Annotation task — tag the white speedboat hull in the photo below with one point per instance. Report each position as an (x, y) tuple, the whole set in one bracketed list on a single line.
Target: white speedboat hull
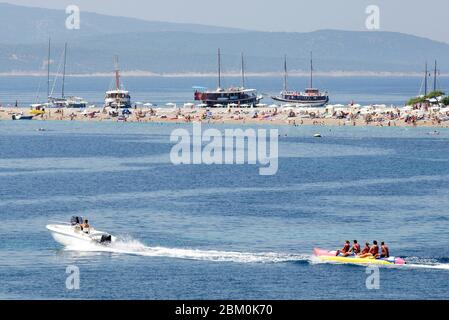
[(68, 235)]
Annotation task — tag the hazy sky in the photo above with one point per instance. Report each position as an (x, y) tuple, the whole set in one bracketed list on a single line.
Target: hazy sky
[(422, 18)]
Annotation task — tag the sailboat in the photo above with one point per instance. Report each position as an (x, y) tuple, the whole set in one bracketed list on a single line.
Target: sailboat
[(311, 97), (428, 95), (234, 96), (38, 108), (63, 101), (117, 98)]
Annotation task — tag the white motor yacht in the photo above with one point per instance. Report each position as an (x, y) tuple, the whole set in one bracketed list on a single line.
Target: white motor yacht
[(73, 233)]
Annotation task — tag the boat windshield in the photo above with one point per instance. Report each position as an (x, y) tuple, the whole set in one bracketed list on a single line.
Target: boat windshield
[(76, 220)]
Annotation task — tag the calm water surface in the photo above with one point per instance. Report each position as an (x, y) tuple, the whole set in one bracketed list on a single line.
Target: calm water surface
[(162, 90), (207, 232)]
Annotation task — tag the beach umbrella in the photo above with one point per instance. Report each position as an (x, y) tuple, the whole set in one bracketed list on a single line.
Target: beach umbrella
[(202, 105), (218, 105), (365, 109)]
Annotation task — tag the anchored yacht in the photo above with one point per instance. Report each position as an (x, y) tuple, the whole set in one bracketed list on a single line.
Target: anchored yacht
[(117, 98), (234, 96), (311, 97)]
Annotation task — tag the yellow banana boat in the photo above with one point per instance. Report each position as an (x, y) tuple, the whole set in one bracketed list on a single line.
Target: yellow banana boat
[(330, 256)]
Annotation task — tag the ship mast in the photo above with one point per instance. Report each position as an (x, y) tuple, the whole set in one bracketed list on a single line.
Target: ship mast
[(219, 68), (285, 73), (63, 72), (311, 70), (425, 82), (117, 73), (48, 68), (435, 77), (243, 71)]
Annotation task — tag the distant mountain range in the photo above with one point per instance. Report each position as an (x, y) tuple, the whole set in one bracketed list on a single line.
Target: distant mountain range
[(162, 47)]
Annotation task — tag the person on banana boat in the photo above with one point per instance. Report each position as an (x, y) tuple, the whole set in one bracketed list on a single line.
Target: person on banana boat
[(384, 251), (345, 250), (373, 251), (365, 249), (355, 248)]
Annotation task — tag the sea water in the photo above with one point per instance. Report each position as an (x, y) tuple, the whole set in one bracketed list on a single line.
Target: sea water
[(221, 231), (162, 90)]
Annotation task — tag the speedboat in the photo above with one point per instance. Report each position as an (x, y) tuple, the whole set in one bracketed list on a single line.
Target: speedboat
[(330, 256), (72, 233), (20, 116)]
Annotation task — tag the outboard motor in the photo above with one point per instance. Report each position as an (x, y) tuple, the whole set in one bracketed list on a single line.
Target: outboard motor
[(106, 238)]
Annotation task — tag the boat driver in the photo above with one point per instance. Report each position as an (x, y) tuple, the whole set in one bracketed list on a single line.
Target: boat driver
[(85, 226)]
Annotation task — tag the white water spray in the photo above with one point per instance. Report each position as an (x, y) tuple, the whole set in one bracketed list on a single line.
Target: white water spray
[(134, 247)]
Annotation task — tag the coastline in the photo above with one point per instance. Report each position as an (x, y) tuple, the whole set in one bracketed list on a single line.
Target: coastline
[(235, 116)]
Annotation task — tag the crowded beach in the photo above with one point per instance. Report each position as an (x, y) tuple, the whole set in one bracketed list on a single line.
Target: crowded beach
[(422, 114)]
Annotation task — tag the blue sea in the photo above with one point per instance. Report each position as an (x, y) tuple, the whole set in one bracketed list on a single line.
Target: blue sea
[(221, 231), (162, 90)]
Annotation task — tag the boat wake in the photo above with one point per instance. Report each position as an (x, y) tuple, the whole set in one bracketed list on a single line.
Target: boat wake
[(426, 263), (134, 247)]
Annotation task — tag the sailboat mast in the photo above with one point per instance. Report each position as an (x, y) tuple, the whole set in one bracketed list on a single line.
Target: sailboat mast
[(48, 68), (219, 68), (117, 73), (63, 72), (425, 81), (243, 71), (435, 77), (311, 70), (285, 73)]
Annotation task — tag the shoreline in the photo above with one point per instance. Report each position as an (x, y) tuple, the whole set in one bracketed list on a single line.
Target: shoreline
[(235, 116)]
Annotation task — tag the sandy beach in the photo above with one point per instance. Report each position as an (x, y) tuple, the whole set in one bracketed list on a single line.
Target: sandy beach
[(381, 116)]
